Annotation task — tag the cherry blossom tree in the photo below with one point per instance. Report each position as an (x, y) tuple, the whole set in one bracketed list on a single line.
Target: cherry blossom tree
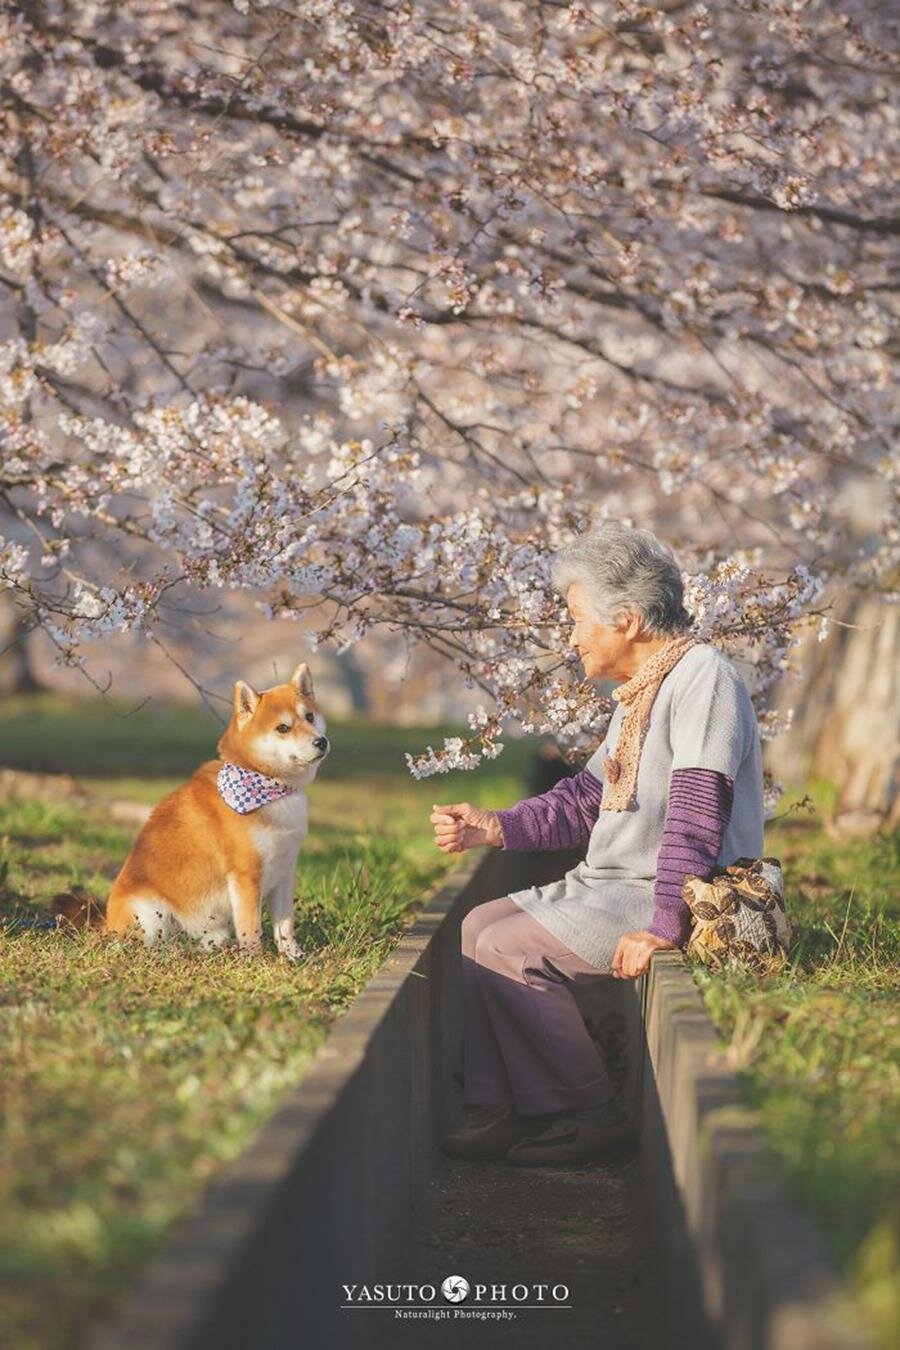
[(378, 304)]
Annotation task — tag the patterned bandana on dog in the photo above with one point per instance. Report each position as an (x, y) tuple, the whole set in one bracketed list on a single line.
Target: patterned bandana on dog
[(246, 790)]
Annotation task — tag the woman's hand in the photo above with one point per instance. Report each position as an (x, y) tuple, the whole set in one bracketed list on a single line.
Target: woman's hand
[(632, 954), (462, 826)]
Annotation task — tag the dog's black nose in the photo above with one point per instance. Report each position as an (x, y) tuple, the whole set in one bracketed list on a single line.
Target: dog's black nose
[(321, 742)]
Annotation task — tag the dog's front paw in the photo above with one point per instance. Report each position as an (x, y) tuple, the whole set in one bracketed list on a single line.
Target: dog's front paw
[(250, 949), (291, 951)]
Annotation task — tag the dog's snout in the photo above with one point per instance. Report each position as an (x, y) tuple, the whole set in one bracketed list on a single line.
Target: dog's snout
[(321, 742)]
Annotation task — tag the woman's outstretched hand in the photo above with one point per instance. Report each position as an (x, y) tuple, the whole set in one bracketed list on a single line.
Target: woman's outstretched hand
[(462, 826)]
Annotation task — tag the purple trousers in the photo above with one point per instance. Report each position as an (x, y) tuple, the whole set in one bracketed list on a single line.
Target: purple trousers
[(525, 1041)]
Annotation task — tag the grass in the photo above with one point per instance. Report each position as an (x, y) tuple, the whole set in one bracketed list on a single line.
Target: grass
[(129, 1076), (818, 1047)]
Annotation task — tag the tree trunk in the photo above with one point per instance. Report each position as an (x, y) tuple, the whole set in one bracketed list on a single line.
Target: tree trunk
[(16, 675), (355, 681), (847, 715)]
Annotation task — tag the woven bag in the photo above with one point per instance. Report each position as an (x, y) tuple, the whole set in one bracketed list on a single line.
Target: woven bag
[(739, 916)]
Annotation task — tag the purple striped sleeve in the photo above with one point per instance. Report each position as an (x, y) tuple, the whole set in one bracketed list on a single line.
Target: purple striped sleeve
[(697, 815), (560, 818)]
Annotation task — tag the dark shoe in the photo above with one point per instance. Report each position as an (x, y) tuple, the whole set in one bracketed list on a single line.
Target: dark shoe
[(489, 1143), (574, 1141)]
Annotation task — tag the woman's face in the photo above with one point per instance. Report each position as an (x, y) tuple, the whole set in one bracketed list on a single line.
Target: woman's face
[(605, 652)]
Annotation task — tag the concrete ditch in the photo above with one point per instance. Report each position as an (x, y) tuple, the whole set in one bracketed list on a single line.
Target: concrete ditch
[(693, 1244)]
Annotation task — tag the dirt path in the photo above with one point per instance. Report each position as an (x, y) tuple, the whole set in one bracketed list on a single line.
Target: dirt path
[(494, 1224)]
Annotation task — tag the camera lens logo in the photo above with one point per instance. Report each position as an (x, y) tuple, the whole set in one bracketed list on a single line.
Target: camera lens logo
[(455, 1288)]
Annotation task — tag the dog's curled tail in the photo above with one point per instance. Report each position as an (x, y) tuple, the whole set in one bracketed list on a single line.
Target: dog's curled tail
[(78, 908)]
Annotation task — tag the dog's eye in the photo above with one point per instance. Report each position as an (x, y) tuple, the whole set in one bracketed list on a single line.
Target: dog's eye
[(310, 717), (283, 726)]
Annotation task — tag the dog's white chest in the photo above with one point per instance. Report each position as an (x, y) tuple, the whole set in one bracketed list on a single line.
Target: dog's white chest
[(279, 830)]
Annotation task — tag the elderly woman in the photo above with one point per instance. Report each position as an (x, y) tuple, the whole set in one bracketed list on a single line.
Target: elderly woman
[(675, 790)]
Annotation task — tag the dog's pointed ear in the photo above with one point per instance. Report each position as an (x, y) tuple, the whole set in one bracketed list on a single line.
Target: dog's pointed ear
[(301, 679), (246, 700)]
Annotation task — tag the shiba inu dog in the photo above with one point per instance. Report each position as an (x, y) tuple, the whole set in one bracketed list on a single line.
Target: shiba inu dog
[(218, 847)]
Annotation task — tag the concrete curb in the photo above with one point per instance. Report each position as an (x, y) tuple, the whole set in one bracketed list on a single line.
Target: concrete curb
[(743, 1264)]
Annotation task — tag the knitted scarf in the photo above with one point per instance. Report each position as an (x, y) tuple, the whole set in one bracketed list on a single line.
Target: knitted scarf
[(638, 693)]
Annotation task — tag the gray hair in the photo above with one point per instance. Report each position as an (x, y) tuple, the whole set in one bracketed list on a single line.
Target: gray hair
[(624, 570)]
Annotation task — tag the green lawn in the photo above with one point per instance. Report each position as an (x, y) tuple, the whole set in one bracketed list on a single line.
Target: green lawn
[(128, 1075), (818, 1047)]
